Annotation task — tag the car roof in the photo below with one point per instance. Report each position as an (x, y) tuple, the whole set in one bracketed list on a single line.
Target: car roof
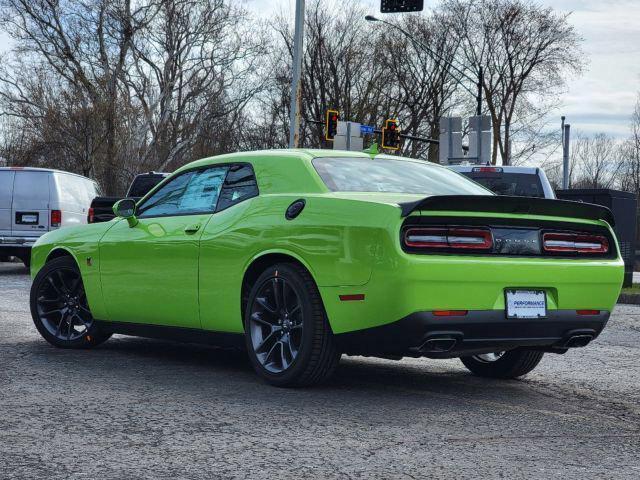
[(290, 170), (303, 154), (48, 170), (505, 169)]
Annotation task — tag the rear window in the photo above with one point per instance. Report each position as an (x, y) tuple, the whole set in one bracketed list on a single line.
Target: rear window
[(515, 184), (392, 176), (143, 185)]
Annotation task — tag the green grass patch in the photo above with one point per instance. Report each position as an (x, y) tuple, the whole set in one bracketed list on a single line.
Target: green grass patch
[(635, 289)]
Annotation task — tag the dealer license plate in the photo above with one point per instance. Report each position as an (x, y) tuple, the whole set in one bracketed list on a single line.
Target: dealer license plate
[(28, 218), (526, 303)]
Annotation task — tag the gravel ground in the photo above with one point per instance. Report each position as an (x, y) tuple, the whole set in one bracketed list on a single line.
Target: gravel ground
[(136, 408)]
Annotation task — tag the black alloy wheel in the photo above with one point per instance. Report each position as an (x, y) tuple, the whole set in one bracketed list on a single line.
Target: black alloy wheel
[(510, 364), (288, 337), (59, 306)]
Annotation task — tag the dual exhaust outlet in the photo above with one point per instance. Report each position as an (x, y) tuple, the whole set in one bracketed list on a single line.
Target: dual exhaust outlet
[(443, 343)]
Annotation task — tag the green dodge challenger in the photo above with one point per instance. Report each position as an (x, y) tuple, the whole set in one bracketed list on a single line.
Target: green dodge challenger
[(300, 256)]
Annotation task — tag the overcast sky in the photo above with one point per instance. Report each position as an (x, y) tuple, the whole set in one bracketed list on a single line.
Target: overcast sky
[(602, 100)]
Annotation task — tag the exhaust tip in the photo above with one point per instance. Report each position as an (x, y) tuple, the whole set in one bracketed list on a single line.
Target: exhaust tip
[(577, 341), (439, 345)]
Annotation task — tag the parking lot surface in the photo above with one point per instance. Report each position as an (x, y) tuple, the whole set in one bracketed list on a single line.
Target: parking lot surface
[(137, 408)]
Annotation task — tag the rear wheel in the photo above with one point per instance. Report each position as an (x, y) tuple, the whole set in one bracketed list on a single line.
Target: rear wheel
[(512, 364), (288, 337), (59, 306)]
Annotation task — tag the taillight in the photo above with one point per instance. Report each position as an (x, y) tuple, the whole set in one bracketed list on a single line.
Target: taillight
[(454, 238), (56, 218), (487, 169), (556, 242), (450, 313), (90, 216)]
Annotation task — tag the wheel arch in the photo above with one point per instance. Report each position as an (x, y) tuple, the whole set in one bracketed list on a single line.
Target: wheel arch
[(59, 252), (259, 263)]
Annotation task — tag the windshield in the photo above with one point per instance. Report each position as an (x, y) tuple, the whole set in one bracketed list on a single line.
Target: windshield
[(392, 176), (515, 184)]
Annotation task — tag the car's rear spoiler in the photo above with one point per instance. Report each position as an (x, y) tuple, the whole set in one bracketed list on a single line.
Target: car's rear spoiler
[(506, 204)]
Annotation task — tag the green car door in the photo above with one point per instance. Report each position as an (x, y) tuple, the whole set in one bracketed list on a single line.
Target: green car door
[(149, 272)]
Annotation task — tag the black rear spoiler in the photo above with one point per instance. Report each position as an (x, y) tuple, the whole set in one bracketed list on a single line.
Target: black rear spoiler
[(506, 204)]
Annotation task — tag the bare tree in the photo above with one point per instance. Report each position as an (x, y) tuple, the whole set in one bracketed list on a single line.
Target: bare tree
[(191, 74), (340, 69), (422, 86), (86, 44), (112, 87), (595, 162), (630, 153), (526, 51)]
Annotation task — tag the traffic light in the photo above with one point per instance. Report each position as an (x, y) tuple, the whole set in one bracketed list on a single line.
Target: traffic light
[(399, 6), (331, 124), (391, 135)]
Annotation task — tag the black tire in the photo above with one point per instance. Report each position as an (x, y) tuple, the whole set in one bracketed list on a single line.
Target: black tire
[(512, 364), (42, 291), (317, 357)]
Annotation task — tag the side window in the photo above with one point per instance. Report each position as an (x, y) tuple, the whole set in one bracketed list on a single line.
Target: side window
[(189, 193), (240, 185)]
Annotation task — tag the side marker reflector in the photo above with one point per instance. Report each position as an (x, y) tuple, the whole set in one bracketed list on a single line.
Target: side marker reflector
[(352, 298)]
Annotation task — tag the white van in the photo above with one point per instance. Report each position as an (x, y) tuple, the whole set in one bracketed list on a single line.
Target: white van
[(34, 201)]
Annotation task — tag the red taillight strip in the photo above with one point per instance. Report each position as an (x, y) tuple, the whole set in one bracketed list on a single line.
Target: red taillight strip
[(450, 313), (454, 238), (574, 243), (588, 312)]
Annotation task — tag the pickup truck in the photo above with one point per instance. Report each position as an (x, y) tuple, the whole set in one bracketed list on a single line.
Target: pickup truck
[(101, 209), (508, 180)]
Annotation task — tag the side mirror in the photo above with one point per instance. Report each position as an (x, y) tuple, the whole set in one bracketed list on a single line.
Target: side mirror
[(126, 208)]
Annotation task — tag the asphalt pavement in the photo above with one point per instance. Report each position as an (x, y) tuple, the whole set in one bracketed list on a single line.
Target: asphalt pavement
[(137, 409)]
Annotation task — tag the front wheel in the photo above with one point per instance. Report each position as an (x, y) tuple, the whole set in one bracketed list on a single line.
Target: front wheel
[(512, 364), (59, 306), (288, 337)]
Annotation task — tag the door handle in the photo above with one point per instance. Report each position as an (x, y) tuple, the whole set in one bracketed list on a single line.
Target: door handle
[(191, 229)]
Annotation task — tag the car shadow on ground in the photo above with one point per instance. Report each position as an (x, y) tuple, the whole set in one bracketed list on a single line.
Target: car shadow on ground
[(196, 367), (11, 268)]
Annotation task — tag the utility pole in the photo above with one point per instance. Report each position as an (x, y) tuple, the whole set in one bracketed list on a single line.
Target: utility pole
[(480, 83), (565, 154), (298, 38)]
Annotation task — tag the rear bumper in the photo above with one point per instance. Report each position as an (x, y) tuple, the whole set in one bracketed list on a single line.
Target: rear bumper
[(479, 331), (17, 242)]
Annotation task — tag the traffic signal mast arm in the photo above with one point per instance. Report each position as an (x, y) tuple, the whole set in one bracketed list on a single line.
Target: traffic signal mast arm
[(378, 131), (431, 52)]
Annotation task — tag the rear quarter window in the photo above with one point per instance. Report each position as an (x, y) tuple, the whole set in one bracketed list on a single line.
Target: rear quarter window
[(239, 185)]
